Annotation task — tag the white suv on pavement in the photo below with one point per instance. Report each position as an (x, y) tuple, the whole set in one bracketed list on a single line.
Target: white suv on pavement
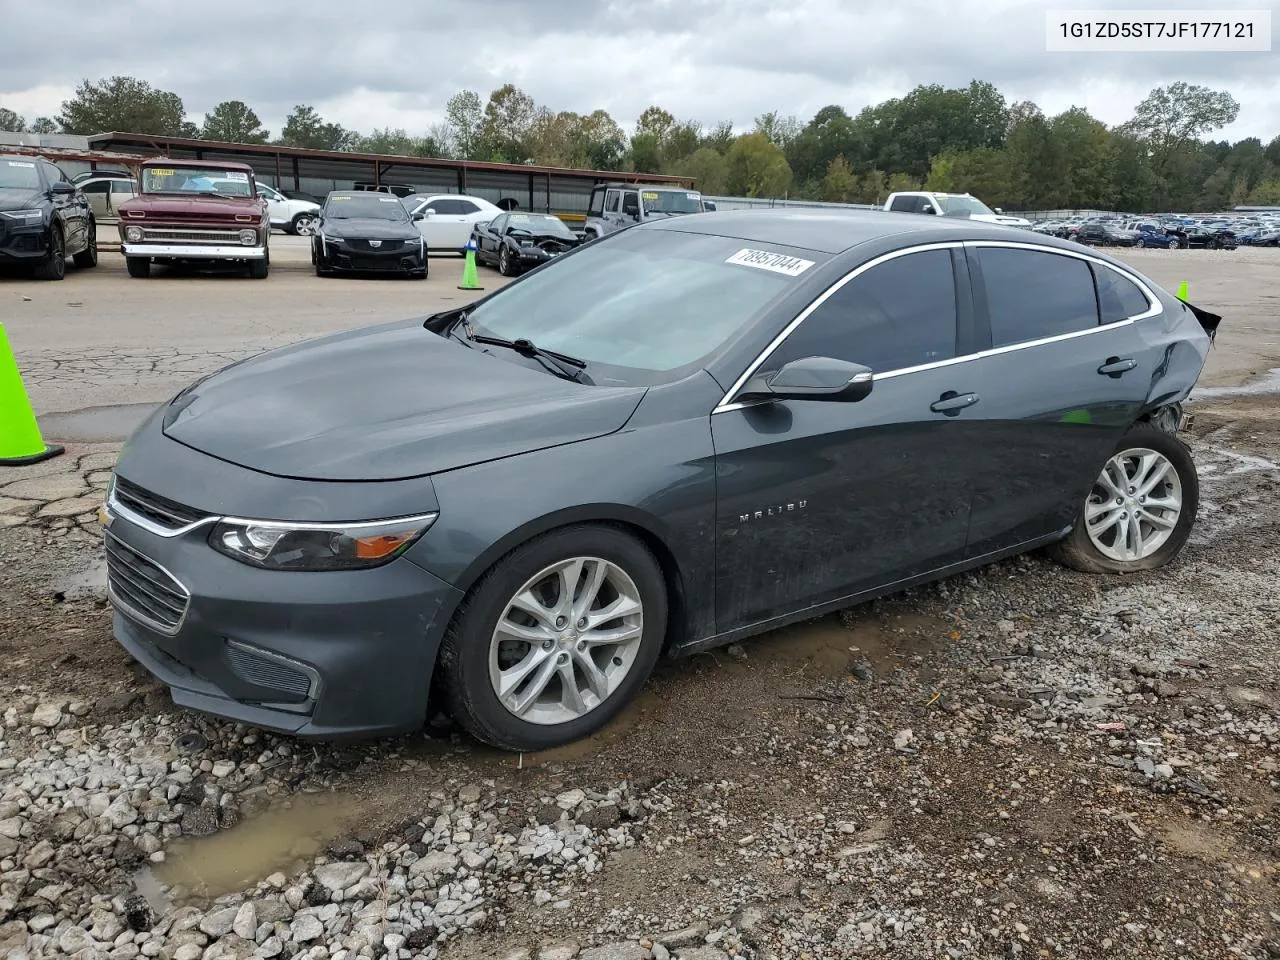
[(292, 216), (949, 205)]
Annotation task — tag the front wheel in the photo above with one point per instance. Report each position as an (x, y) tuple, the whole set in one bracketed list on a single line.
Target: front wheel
[(138, 266), (555, 639), (1140, 242), (1140, 511), (258, 269), (1173, 243), (54, 267)]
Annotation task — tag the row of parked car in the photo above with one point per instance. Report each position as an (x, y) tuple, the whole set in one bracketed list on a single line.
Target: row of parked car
[(1174, 233)]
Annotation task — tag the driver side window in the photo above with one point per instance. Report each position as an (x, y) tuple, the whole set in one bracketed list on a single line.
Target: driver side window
[(900, 313), (499, 224)]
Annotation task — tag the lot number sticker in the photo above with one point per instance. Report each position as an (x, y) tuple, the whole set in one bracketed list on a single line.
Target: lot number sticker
[(236, 175), (775, 262), (22, 163)]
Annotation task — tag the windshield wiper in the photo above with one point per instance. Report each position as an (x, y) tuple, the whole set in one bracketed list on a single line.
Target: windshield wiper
[(571, 368)]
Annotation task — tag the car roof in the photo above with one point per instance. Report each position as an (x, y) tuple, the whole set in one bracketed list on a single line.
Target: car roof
[(832, 231), (198, 164), (673, 188)]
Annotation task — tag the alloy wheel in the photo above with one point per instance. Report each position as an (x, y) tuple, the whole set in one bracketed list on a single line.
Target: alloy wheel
[(1134, 506), (566, 640), (304, 226)]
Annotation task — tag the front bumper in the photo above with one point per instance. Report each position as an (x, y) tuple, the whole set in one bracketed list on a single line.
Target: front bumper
[(321, 655), (22, 243), (411, 259), (194, 251)]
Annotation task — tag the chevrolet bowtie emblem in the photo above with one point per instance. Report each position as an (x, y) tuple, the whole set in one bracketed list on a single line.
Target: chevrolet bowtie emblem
[(375, 243)]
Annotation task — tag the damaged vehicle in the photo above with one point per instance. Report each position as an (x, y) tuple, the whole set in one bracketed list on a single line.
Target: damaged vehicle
[(694, 431), (515, 242)]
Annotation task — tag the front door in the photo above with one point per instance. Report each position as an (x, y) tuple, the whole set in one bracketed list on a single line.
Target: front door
[(819, 500), (1067, 375)]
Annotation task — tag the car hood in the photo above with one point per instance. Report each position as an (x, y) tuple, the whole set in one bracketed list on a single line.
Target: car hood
[(373, 227), (387, 403), (169, 205), (19, 198)]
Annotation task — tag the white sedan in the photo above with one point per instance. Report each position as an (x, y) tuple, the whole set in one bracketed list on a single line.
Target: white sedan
[(448, 218)]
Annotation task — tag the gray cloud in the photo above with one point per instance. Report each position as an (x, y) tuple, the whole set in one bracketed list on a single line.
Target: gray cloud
[(708, 60)]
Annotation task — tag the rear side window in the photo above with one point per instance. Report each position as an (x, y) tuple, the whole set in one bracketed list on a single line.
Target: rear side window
[(1118, 297), (466, 206), (611, 201), (597, 203), (899, 314), (1033, 295)]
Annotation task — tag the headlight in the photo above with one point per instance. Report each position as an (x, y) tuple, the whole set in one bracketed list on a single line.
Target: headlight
[(248, 237), (317, 546), (133, 234), (24, 214)]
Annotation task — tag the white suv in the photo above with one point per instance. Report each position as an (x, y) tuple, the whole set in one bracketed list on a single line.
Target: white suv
[(292, 216)]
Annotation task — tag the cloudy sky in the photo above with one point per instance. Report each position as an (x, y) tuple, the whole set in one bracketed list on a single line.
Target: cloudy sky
[(365, 65)]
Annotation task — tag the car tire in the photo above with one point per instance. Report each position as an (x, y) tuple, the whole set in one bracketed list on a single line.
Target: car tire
[(54, 266), (1173, 243), (258, 269), (1099, 550), (504, 263), (138, 267), (1212, 245), (302, 225), (88, 257), (1140, 242), (472, 652)]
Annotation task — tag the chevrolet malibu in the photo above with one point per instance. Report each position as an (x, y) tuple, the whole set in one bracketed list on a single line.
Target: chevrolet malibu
[(680, 435)]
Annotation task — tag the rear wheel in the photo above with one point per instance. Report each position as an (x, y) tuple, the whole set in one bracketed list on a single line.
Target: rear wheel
[(555, 639), (1173, 243), (1213, 244), (1140, 242), (88, 257), (303, 225), (54, 267), (138, 266), (1140, 511)]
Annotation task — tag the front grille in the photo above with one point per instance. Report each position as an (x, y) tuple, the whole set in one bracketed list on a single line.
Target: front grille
[(162, 235), (159, 510), (142, 589), (380, 263), (385, 246), (264, 670)]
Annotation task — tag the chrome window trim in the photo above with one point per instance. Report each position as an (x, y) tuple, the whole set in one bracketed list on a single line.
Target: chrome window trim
[(727, 405)]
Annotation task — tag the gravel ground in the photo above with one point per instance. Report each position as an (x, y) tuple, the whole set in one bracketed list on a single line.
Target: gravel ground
[(1022, 761)]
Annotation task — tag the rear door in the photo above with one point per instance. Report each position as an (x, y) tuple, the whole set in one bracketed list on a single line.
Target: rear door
[(1065, 373), (98, 193), (820, 500)]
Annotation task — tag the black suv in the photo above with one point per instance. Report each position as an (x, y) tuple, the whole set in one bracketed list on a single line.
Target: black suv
[(43, 218)]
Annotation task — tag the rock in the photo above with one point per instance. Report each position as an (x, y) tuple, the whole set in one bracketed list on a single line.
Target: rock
[(223, 768), (602, 817), (219, 922), (903, 739), (10, 507), (49, 714), (469, 794), (346, 849), (11, 828), (188, 951), (392, 942), (41, 854), (121, 812), (864, 671), (138, 914), (624, 950), (433, 864), (71, 507), (74, 939), (702, 953), (421, 938), (559, 951), (340, 876), (271, 947), (684, 937), (520, 953), (1146, 767), (749, 917), (199, 821), (570, 799), (115, 703), (8, 846), (306, 928), (245, 925), (660, 952), (735, 652)]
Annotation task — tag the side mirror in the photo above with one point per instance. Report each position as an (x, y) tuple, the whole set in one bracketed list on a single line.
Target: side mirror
[(813, 378), (927, 208), (429, 212), (62, 187), (419, 216), (999, 209)]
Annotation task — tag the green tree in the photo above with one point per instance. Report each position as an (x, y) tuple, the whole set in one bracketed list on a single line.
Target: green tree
[(235, 122), (831, 133), (839, 185), (720, 137), (464, 116), (1272, 152), (598, 142), (757, 168), (508, 119), (1266, 194), (123, 104), (11, 122), (708, 168), (982, 171), (393, 142), (779, 130), (1081, 145), (645, 153), (304, 127), (655, 121), (44, 125), (871, 188), (1173, 118), (899, 182)]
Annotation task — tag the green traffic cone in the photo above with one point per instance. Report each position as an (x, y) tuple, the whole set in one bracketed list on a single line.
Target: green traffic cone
[(20, 440), (469, 279), (1182, 291)]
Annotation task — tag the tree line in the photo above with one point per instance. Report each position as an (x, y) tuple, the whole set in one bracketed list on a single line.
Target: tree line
[(951, 139)]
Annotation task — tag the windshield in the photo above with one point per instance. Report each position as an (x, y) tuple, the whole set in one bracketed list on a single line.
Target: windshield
[(19, 175), (364, 206), (670, 201), (540, 224), (643, 303), (229, 183), (969, 205)]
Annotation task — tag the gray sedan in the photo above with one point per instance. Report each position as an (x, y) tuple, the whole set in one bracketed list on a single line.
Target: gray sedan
[(671, 438)]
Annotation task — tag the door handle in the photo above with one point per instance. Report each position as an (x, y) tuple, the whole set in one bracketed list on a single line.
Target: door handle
[(951, 403), (1115, 367)]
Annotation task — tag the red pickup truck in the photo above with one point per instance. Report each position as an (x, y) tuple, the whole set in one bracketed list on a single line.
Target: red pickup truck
[(195, 210)]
